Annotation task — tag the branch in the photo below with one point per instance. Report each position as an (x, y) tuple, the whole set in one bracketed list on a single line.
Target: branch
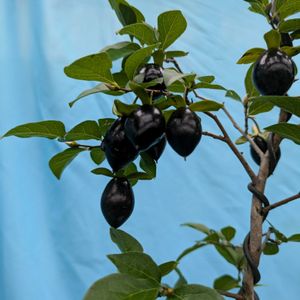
[(215, 136), (280, 203), (230, 295), (73, 144)]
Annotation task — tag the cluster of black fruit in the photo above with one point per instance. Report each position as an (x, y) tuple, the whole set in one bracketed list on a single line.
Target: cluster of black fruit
[(144, 130), (273, 75)]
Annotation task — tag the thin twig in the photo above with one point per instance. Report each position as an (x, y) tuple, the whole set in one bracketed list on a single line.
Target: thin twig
[(280, 203), (230, 295), (73, 144), (215, 136)]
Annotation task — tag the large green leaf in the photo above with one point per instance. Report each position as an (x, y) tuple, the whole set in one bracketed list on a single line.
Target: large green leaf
[(94, 67), (46, 129), (226, 283), (251, 56), (136, 59), (123, 109), (249, 86), (120, 50), (105, 124), (87, 130), (122, 287), (137, 264), (259, 105), (195, 292), (272, 39), (167, 267), (97, 155), (289, 131), (171, 25), (61, 160), (142, 31), (289, 25), (206, 105), (124, 241), (289, 8), (126, 13)]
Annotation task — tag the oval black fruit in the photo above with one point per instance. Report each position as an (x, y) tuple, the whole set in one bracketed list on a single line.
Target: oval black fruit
[(145, 126), (117, 202), (184, 131), (263, 146), (119, 151), (152, 72), (157, 149), (273, 73)]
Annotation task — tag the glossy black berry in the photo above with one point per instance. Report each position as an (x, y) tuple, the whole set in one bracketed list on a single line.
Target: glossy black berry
[(157, 150), (273, 73), (117, 202), (184, 131), (119, 151), (145, 126)]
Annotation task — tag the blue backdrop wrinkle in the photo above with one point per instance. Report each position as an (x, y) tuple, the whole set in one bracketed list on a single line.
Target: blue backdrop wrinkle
[(53, 238)]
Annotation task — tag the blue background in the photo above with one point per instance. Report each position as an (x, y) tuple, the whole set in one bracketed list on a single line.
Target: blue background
[(53, 238)]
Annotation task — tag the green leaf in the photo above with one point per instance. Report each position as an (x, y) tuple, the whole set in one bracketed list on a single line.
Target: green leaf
[(195, 292), (251, 56), (249, 86), (205, 105), (123, 109), (272, 39), (295, 35), (289, 131), (226, 283), (171, 25), (241, 140), (171, 76), (94, 67), (181, 280), (289, 8), (87, 130), (139, 176), (172, 54), (126, 13), (140, 92), (167, 267), (233, 95), (279, 236), (97, 155), (228, 232), (200, 227), (173, 100), (206, 85), (120, 50), (190, 250), (270, 249), (136, 264), (228, 253), (208, 79), (142, 31), (148, 164), (259, 105), (105, 124), (290, 104), (291, 51), (134, 61), (61, 160), (121, 79), (122, 286), (294, 238), (289, 25), (124, 241), (46, 129), (158, 57), (258, 8), (103, 171)]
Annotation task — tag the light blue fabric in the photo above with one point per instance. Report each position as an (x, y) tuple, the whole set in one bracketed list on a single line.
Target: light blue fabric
[(53, 238)]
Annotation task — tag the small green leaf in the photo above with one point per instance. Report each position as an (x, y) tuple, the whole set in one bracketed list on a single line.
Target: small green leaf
[(97, 155), (289, 8), (87, 130), (241, 140), (140, 92), (259, 105), (148, 164), (167, 267), (136, 264), (270, 249), (190, 250), (134, 61), (61, 160), (289, 131), (105, 124), (173, 100), (200, 227), (206, 85), (294, 238), (226, 283), (123, 109), (122, 286), (172, 54), (251, 56), (120, 50), (208, 79), (228, 232), (196, 292), (46, 129), (272, 39), (289, 25), (103, 171), (124, 241), (280, 236), (257, 8), (139, 176), (142, 31), (228, 253), (233, 95), (205, 105), (249, 86), (171, 76), (171, 25), (94, 67)]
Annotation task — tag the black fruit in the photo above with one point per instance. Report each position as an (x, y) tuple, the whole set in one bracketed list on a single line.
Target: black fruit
[(117, 202), (273, 73), (145, 126), (184, 131), (119, 151), (263, 146), (152, 72), (157, 150)]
